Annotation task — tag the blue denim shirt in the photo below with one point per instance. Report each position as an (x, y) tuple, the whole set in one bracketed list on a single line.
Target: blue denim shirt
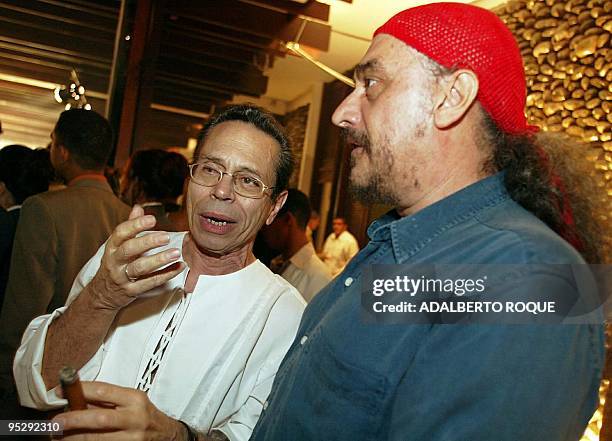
[(343, 379)]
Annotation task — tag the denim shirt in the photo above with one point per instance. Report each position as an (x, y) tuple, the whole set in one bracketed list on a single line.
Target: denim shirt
[(343, 379)]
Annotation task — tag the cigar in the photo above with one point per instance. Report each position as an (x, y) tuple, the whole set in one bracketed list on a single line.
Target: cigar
[(73, 391)]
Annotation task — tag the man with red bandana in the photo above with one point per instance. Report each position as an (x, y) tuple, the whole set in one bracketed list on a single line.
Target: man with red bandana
[(437, 129), (182, 332)]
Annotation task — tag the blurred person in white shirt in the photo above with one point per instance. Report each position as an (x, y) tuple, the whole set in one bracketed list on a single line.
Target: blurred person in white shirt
[(287, 235), (339, 247)]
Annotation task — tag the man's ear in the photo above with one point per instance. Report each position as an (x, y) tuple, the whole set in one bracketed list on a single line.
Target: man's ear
[(290, 219), (457, 94), (3, 190), (64, 153), (135, 191), (278, 204)]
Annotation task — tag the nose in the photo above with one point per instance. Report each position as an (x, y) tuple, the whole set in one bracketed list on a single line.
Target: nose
[(224, 189), (348, 113)]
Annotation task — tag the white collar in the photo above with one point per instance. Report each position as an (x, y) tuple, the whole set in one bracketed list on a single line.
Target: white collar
[(301, 258), (151, 204)]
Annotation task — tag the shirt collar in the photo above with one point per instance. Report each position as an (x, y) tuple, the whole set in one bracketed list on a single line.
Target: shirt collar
[(410, 234), (87, 176), (334, 237), (90, 180), (301, 258), (151, 204)]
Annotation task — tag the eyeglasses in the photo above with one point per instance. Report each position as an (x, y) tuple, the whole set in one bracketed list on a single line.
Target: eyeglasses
[(243, 183)]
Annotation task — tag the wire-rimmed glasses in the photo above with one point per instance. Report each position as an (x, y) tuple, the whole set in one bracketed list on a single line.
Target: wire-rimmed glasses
[(244, 183)]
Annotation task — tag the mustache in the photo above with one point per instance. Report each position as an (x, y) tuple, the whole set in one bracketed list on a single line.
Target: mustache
[(353, 136)]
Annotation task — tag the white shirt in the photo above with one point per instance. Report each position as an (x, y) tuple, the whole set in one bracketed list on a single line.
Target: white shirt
[(231, 334), (337, 251), (307, 272)]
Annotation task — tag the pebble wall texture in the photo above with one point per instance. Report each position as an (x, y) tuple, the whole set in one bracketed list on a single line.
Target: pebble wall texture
[(566, 48)]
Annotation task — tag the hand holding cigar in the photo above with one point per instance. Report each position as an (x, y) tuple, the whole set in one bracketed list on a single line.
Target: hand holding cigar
[(114, 412), (72, 389)]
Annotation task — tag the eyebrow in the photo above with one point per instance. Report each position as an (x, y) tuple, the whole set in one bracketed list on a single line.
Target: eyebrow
[(220, 162), (361, 68)]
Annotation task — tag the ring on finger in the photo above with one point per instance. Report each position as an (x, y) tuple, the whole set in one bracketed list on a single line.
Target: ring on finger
[(130, 278)]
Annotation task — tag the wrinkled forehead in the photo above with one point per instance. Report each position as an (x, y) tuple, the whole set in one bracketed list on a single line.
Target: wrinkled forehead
[(386, 54)]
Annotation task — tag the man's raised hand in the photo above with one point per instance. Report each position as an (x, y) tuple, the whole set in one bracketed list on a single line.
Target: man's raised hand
[(125, 270)]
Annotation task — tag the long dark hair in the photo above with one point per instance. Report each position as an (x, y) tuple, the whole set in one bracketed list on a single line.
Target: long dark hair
[(548, 174)]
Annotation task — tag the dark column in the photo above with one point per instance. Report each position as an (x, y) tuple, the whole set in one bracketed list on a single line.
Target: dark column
[(131, 99)]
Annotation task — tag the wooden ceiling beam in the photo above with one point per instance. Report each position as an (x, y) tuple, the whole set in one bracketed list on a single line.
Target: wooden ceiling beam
[(91, 80), (12, 49), (194, 105), (251, 19), (56, 37), (238, 82), (312, 9), (315, 35), (230, 14), (187, 83), (174, 84), (64, 66), (167, 90), (54, 23), (227, 37), (186, 55), (65, 14), (98, 7), (210, 44)]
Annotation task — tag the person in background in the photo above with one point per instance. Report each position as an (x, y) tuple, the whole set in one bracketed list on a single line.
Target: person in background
[(23, 173), (339, 247), (287, 235), (113, 177), (437, 129), (179, 217), (182, 332), (154, 179), (58, 231), (313, 224)]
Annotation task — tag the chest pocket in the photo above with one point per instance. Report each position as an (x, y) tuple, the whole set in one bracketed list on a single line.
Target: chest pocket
[(349, 398)]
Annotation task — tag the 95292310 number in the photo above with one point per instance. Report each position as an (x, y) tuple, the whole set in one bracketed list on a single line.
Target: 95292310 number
[(30, 427)]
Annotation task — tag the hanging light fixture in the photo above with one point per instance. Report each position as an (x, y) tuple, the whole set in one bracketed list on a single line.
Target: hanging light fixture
[(72, 95)]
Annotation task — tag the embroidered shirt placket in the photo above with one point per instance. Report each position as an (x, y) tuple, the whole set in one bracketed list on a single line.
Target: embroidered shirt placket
[(155, 359)]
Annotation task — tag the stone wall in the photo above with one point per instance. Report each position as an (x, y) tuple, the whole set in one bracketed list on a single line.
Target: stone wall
[(566, 51)]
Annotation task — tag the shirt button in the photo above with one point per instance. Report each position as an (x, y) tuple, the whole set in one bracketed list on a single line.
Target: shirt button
[(265, 405), (304, 340), (348, 281)]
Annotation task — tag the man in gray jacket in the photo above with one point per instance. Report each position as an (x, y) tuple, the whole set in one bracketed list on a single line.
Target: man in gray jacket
[(58, 231)]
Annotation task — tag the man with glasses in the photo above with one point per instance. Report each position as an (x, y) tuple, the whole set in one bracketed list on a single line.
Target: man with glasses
[(189, 328)]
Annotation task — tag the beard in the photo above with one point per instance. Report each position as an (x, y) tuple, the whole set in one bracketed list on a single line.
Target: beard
[(373, 186)]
